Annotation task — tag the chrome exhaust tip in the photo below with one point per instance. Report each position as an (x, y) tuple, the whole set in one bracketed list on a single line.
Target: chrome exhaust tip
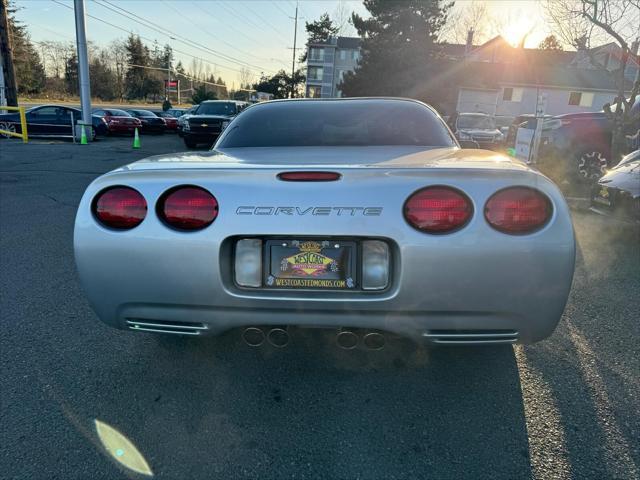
[(278, 337), (374, 341), (253, 336), (347, 339)]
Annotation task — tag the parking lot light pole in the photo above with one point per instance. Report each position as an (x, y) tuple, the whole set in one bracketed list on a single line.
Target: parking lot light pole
[(83, 63)]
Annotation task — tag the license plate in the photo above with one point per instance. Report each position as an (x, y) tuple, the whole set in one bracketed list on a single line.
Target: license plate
[(310, 264), (603, 197)]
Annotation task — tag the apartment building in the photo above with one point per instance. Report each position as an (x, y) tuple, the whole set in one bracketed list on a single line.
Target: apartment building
[(327, 62)]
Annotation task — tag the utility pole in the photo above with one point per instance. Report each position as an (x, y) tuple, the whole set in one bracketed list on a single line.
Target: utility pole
[(293, 63), (168, 76), (6, 57), (83, 62)]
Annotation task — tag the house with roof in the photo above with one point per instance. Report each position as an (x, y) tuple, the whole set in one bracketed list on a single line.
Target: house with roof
[(327, 63), (505, 81)]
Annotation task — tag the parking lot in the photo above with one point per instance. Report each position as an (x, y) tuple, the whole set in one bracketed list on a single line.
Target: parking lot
[(567, 407)]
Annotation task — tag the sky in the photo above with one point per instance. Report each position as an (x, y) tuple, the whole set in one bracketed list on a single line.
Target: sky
[(235, 35)]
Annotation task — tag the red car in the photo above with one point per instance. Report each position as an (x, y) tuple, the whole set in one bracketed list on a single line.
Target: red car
[(119, 121), (171, 121)]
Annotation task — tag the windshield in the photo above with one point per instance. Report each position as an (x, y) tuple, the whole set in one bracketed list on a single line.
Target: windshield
[(476, 121), (352, 123), (222, 108)]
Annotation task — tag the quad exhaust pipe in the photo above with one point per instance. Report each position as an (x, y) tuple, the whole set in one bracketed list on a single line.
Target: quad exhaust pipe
[(255, 337), (279, 337), (348, 340)]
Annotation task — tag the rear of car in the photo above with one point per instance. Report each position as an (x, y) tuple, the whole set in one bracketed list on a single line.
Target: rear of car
[(346, 214), (151, 123), (118, 121), (170, 120)]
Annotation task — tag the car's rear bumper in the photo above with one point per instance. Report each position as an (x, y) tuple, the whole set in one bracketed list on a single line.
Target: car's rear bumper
[(475, 279)]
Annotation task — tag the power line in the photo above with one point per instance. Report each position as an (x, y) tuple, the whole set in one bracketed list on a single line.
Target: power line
[(193, 24), (174, 36), (146, 38), (242, 16), (253, 40)]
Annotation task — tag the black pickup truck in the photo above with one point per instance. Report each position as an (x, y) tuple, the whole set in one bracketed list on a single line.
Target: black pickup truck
[(207, 122)]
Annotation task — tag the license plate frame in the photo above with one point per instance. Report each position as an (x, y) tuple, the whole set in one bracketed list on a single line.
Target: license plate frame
[(310, 264)]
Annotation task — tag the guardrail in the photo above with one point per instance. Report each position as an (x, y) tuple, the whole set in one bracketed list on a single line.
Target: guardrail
[(23, 125)]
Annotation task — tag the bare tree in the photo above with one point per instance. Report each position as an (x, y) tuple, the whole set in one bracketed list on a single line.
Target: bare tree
[(585, 22), (467, 16), (245, 77), (341, 17)]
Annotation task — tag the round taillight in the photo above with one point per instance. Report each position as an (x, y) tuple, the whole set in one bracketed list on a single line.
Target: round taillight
[(121, 208), (438, 210), (188, 208), (518, 210)]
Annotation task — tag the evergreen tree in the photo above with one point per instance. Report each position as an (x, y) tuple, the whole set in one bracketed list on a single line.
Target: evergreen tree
[(400, 51), (71, 74), (30, 73), (319, 31), (137, 77)]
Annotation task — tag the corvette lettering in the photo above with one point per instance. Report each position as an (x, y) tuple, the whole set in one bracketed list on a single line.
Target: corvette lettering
[(310, 211)]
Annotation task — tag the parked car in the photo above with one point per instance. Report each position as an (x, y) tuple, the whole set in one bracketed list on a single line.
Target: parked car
[(477, 127), (170, 120), (335, 214), (118, 121), (617, 194), (209, 120), (183, 118), (577, 146), (51, 121), (151, 123)]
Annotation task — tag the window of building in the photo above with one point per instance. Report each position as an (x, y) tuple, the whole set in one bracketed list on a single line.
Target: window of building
[(355, 55), (582, 99), (315, 73), (343, 54), (314, 92), (511, 94), (316, 54)]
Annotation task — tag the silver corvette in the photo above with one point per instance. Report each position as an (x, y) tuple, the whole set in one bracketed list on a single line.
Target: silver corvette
[(359, 215)]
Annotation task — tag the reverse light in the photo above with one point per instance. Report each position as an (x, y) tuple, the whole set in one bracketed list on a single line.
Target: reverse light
[(187, 208), (438, 210), (119, 207), (375, 265), (248, 262), (518, 210)]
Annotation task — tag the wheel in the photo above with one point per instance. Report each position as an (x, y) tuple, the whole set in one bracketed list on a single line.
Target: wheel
[(592, 165), (93, 134), (190, 143), (10, 127)]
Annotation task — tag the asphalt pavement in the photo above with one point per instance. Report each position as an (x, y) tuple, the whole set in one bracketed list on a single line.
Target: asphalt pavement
[(213, 408)]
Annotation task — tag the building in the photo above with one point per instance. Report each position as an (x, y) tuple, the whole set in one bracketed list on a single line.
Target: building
[(504, 81), (327, 62)]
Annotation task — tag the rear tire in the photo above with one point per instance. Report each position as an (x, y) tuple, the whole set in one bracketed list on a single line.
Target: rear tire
[(592, 165)]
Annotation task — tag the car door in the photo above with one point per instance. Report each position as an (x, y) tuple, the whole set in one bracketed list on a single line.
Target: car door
[(65, 120), (40, 121)]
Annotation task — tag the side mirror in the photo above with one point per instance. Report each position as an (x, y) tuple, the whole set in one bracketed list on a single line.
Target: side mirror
[(468, 144)]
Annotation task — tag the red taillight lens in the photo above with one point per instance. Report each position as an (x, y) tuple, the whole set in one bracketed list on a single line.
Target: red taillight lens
[(438, 210), (518, 210), (120, 207), (309, 176), (188, 208)]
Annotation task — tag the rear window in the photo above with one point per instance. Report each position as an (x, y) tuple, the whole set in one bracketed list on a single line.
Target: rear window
[(337, 123), (118, 113)]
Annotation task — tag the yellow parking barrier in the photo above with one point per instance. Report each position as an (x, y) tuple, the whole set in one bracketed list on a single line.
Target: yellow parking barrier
[(23, 124)]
